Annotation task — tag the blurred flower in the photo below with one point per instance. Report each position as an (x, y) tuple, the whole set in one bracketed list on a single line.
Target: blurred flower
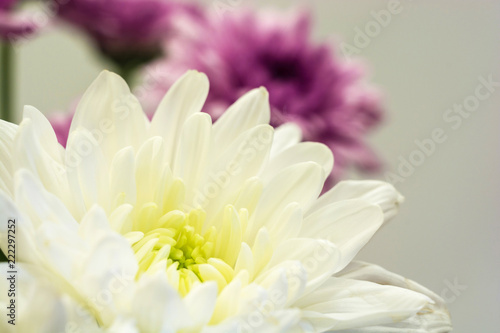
[(13, 25), (308, 83), (178, 225), (129, 32), (6, 5)]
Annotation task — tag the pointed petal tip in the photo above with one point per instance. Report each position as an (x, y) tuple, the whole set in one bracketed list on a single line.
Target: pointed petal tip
[(263, 90), (400, 199), (196, 74), (108, 77), (105, 74)]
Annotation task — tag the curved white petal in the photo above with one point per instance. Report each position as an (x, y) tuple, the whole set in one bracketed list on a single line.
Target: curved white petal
[(36, 149), (433, 318), (194, 150), (374, 191), (349, 224), (285, 136), (287, 225), (170, 313), (248, 111), (200, 303), (299, 153), (122, 188), (183, 99), (299, 183), (226, 175), (342, 303), (149, 168), (87, 170), (319, 258), (39, 306), (123, 326), (111, 114)]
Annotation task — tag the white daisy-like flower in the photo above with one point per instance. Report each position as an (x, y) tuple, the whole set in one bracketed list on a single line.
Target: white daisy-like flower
[(181, 225)]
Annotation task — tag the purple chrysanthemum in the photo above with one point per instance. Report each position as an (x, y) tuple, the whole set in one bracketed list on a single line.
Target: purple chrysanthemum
[(126, 30), (308, 83), (13, 26)]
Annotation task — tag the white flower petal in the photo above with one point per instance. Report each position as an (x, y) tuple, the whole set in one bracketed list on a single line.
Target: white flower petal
[(249, 195), (285, 283), (149, 168), (299, 183), (433, 318), (94, 225), (170, 313), (183, 99), (285, 136), (25, 231), (299, 153), (373, 191), (123, 326), (245, 261), (225, 177), (111, 114), (342, 304), (194, 149), (87, 169), (37, 150), (122, 187), (200, 303), (248, 111), (288, 225), (349, 224), (47, 225), (320, 259), (121, 219), (227, 302), (262, 250), (39, 204), (106, 276), (38, 306)]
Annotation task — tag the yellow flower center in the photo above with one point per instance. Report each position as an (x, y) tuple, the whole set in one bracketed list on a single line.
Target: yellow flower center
[(166, 237), (191, 242)]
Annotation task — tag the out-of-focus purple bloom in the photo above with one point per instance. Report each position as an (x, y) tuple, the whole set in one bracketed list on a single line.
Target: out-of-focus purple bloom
[(127, 30), (308, 83), (12, 25), (7, 4)]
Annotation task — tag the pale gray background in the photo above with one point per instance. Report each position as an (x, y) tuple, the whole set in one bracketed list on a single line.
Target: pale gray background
[(428, 58)]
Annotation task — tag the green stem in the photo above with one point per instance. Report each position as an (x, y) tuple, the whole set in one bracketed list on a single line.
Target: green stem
[(6, 81)]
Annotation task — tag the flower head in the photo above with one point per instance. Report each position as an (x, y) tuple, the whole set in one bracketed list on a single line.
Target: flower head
[(308, 83), (181, 225), (12, 25), (126, 30)]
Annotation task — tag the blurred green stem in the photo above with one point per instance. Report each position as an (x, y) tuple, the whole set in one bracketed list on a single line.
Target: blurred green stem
[(6, 81), (5, 92)]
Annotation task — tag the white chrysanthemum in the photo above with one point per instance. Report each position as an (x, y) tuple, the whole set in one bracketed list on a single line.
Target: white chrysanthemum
[(179, 225)]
